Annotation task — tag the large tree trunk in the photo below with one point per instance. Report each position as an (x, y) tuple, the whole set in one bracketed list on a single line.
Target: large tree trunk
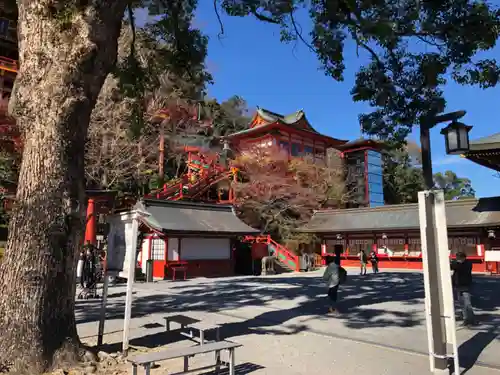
[(66, 50)]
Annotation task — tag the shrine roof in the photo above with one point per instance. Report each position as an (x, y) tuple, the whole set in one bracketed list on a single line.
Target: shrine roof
[(362, 143), (189, 218), (490, 142), (265, 121), (485, 151), (460, 213), (289, 119)]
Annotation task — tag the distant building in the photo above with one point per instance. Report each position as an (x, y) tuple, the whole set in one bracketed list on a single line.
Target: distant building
[(297, 137), (394, 232)]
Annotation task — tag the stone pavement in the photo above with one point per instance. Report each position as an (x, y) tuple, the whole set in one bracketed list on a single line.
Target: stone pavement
[(281, 322)]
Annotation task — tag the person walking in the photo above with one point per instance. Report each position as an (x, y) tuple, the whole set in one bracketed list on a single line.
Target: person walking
[(374, 261), (334, 276), (462, 283), (363, 259), (79, 269)]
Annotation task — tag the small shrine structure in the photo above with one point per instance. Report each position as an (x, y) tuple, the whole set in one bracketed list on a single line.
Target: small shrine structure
[(197, 235)]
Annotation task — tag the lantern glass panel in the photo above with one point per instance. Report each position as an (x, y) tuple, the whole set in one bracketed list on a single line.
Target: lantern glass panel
[(452, 137), (464, 138)]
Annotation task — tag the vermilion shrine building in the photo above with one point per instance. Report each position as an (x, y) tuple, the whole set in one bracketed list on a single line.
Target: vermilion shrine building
[(394, 232), (196, 235), (295, 135)]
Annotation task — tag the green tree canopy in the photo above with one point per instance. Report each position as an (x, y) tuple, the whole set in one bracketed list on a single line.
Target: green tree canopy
[(454, 187), (414, 47), (403, 179)]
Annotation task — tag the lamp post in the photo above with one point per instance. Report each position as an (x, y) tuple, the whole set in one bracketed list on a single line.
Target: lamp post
[(449, 132), (456, 140)]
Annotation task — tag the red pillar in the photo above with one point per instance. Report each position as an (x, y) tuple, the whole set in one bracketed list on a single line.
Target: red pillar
[(91, 228)]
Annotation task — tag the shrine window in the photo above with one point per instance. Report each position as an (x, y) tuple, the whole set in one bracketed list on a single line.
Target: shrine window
[(308, 150), (467, 245), (296, 149), (284, 145), (158, 249)]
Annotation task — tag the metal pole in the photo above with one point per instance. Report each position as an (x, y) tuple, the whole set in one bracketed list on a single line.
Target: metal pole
[(439, 355)]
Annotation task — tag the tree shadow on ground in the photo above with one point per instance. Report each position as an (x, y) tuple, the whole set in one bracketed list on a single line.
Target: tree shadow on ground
[(369, 301), (241, 369), (290, 297), (357, 296)]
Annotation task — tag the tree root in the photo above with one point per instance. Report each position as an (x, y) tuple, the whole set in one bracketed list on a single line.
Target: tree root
[(70, 355)]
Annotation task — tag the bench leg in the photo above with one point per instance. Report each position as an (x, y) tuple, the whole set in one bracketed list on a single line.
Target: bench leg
[(202, 337), (217, 361), (134, 369), (147, 367), (231, 362), (167, 325), (186, 364), (217, 334)]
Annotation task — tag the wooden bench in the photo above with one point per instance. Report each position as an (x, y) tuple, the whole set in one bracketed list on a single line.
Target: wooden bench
[(147, 359), (182, 320), (178, 267), (201, 328)]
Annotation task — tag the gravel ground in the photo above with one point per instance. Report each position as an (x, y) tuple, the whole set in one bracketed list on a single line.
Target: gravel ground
[(280, 320)]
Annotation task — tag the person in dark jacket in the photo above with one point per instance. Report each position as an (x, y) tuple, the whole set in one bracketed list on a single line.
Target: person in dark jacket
[(462, 283), (334, 276), (89, 267), (363, 260), (374, 261)]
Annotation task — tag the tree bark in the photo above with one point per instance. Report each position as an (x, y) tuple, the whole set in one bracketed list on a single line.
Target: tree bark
[(66, 50)]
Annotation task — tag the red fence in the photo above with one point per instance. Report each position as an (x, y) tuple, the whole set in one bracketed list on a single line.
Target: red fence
[(408, 262)]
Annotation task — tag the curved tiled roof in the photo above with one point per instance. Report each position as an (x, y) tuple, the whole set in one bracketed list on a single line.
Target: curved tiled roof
[(486, 143), (185, 218), (291, 119), (460, 213)]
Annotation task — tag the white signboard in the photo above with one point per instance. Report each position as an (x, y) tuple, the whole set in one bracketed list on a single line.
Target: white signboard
[(492, 256), (121, 243)]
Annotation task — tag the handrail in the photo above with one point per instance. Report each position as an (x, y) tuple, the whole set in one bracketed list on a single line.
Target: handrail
[(287, 253), (176, 186), (8, 64), (217, 178)]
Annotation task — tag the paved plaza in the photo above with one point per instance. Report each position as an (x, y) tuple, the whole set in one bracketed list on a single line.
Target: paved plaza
[(282, 324)]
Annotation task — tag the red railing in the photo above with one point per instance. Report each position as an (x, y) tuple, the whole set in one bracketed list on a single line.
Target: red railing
[(181, 188), (407, 261), (284, 255), (8, 64)]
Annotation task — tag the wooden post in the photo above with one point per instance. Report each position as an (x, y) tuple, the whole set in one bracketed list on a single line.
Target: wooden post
[(161, 156), (91, 228), (130, 283), (102, 317), (289, 145)]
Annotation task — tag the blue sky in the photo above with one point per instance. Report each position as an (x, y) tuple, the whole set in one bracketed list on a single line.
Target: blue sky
[(249, 60)]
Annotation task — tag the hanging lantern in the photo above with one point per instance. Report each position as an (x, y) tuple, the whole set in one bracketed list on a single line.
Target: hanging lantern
[(456, 136)]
